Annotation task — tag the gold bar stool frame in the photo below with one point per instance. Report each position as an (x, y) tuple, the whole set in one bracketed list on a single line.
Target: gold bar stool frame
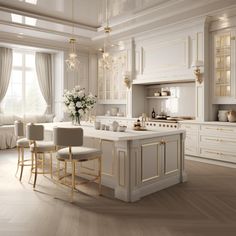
[(21, 144), (38, 147), (74, 152)]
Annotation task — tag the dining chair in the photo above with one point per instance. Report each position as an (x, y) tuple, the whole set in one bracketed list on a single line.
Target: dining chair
[(21, 144), (74, 152), (38, 148)]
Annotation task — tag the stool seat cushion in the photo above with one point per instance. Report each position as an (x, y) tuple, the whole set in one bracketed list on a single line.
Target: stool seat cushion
[(43, 146), (23, 142), (79, 153)]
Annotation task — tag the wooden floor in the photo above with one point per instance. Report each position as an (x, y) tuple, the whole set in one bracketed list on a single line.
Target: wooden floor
[(205, 205)]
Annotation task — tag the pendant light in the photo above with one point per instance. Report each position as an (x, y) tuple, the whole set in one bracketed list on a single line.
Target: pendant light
[(106, 57), (72, 61)]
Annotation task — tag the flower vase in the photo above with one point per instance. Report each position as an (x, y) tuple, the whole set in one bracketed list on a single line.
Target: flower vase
[(76, 120)]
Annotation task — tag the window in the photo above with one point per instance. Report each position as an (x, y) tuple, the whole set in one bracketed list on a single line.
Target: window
[(23, 95)]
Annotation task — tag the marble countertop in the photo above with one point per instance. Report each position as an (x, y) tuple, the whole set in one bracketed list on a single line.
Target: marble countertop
[(90, 131)]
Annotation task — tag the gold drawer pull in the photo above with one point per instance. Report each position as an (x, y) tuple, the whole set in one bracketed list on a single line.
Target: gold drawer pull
[(210, 152), (212, 139), (217, 153), (220, 129), (212, 128)]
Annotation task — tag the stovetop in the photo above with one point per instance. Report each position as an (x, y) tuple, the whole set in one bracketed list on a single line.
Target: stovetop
[(170, 119), (163, 120)]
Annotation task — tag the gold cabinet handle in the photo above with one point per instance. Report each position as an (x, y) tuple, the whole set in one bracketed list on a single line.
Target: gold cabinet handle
[(163, 142), (212, 139)]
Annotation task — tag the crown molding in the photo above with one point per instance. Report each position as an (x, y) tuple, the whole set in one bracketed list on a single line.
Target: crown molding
[(44, 17), (39, 29), (28, 41)]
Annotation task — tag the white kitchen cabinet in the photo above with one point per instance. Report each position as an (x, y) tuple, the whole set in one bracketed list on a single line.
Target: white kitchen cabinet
[(224, 81), (191, 141), (218, 142), (211, 140), (157, 160), (111, 88)]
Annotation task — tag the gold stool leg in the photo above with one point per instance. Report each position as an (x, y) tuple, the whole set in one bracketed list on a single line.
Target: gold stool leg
[(32, 166), (65, 170), (58, 169), (22, 162), (72, 180), (36, 169), (18, 162), (100, 175), (51, 165), (43, 162)]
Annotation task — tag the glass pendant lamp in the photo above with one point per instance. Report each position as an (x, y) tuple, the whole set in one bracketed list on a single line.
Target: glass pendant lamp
[(72, 61)]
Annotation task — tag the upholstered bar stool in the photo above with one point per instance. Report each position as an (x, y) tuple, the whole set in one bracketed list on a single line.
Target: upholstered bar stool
[(21, 144), (74, 152), (38, 148)]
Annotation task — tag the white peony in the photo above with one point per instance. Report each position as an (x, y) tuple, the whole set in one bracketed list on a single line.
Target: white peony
[(78, 104), (81, 112)]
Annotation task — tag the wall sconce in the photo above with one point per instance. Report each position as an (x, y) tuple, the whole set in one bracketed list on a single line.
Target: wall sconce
[(126, 79), (197, 64)]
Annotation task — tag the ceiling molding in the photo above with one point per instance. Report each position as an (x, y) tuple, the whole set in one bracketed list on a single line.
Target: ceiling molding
[(41, 16), (39, 29), (152, 20), (11, 38)]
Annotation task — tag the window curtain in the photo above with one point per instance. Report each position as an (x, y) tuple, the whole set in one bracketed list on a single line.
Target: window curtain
[(43, 64), (5, 71)]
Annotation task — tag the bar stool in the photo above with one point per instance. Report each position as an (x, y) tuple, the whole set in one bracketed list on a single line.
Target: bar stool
[(72, 140), (35, 133), (21, 144)]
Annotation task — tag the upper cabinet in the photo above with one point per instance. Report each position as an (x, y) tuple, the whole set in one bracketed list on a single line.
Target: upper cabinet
[(224, 83), (111, 88)]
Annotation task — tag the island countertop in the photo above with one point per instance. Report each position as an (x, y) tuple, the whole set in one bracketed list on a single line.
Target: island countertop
[(90, 131)]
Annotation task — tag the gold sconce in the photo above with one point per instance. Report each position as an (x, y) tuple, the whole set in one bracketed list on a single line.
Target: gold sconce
[(196, 65), (126, 79)]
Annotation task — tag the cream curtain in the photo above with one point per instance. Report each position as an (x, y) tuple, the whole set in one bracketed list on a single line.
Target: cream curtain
[(5, 71), (43, 63)]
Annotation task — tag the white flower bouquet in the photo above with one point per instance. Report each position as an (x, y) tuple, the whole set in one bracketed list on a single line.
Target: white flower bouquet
[(78, 103)]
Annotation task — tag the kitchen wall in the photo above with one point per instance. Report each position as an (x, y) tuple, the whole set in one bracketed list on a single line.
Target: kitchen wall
[(180, 103)]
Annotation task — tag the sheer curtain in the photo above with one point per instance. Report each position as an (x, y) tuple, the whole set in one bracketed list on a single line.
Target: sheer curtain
[(43, 64), (5, 71)]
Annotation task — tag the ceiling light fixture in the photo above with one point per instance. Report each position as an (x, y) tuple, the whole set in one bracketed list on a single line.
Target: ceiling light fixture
[(72, 61), (106, 57)]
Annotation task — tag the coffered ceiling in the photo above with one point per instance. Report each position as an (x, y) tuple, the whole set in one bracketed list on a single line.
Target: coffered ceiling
[(52, 19)]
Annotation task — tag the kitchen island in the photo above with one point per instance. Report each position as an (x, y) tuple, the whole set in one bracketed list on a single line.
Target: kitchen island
[(134, 163)]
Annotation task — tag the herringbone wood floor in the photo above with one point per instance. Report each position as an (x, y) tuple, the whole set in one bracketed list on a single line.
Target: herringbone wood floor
[(205, 205)]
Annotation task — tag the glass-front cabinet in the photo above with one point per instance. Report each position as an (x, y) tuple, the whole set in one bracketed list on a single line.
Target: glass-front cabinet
[(224, 67), (111, 87)]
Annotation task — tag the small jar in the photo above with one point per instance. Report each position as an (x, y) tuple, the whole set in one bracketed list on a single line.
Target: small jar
[(223, 115)]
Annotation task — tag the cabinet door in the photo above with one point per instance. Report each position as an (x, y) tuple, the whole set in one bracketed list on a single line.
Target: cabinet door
[(150, 161), (171, 155), (111, 88), (191, 141), (224, 67)]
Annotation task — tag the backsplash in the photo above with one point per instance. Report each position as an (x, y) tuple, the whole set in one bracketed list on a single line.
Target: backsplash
[(180, 103), (227, 107)]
